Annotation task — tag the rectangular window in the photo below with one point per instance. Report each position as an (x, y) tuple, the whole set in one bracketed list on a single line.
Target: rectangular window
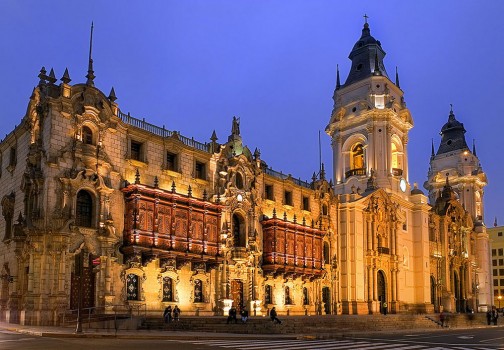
[(136, 150), (501, 282), (13, 157), (494, 262), (501, 251), (499, 234), (268, 192), (306, 203), (501, 262), (288, 198), (501, 272), (200, 170), (171, 161), (495, 272), (496, 282), (494, 252), (132, 287)]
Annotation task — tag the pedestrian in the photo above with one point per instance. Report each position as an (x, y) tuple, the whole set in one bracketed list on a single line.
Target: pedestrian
[(489, 317), (176, 313), (273, 316), (244, 315), (167, 315), (495, 316), (385, 306), (232, 315), (442, 318)]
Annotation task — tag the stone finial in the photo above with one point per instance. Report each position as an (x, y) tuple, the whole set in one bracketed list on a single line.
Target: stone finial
[(66, 77), (274, 213), (52, 77), (156, 182), (189, 191), (173, 187), (112, 95), (42, 75)]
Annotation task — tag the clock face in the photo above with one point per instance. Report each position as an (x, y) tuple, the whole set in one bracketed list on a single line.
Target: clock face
[(402, 185)]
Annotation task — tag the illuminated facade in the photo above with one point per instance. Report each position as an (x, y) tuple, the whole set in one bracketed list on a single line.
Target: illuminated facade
[(496, 234), (144, 217)]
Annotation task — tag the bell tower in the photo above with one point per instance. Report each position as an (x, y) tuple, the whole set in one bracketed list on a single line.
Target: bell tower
[(456, 163), (369, 124)]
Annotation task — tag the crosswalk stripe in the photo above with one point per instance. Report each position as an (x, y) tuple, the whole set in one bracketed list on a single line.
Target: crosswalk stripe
[(298, 345)]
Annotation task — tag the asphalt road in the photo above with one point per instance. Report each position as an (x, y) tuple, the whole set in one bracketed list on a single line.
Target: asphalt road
[(476, 339)]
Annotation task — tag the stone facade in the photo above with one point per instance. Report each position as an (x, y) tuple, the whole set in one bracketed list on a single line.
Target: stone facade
[(106, 211)]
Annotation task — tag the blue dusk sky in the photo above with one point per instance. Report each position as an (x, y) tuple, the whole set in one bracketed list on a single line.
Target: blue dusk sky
[(192, 65)]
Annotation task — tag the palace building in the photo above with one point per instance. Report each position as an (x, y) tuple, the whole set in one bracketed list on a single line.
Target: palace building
[(102, 210)]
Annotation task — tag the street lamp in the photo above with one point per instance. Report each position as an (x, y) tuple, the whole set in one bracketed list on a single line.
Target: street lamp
[(500, 298)]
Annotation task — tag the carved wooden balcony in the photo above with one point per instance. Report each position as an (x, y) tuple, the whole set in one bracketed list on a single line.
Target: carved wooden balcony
[(355, 172)]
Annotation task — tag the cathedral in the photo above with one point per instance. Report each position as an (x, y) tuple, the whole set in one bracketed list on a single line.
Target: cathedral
[(101, 210)]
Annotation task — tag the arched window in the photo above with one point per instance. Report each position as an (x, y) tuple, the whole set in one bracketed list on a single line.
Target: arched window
[(397, 160), (87, 135), (84, 209), (167, 289), (267, 294), (132, 287), (239, 181), (198, 291), (238, 231), (324, 209), (306, 299), (326, 253), (288, 300), (357, 157)]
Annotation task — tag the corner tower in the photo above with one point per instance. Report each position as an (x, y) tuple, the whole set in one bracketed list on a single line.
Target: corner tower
[(369, 123)]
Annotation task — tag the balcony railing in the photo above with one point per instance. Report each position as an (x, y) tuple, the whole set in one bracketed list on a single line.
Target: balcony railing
[(354, 172), (283, 176), (156, 130)]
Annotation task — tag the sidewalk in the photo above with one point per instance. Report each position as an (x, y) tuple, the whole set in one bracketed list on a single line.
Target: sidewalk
[(65, 332)]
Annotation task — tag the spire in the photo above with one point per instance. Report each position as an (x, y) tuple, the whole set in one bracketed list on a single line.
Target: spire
[(432, 148), (66, 77), (213, 138), (322, 172), (338, 84), (112, 96), (42, 75), (451, 117), (495, 222), (474, 148), (397, 78), (90, 75)]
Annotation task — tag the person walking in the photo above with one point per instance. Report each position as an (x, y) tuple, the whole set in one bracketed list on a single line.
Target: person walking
[(495, 316), (442, 318), (176, 313), (385, 306), (273, 316), (167, 315)]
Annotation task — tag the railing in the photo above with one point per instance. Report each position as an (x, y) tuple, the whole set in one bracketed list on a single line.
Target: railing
[(163, 132), (92, 314), (353, 172), (283, 176)]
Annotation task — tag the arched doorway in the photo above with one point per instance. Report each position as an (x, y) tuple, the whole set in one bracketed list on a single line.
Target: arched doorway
[(326, 298), (85, 289), (237, 293), (382, 290)]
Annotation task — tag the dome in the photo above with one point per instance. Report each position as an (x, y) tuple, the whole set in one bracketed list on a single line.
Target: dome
[(452, 136)]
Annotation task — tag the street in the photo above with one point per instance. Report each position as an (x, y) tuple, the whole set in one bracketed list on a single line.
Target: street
[(476, 339)]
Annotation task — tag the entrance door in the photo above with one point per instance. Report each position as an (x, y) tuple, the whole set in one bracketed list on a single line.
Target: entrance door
[(326, 298), (456, 290), (237, 293), (88, 286), (382, 290)]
